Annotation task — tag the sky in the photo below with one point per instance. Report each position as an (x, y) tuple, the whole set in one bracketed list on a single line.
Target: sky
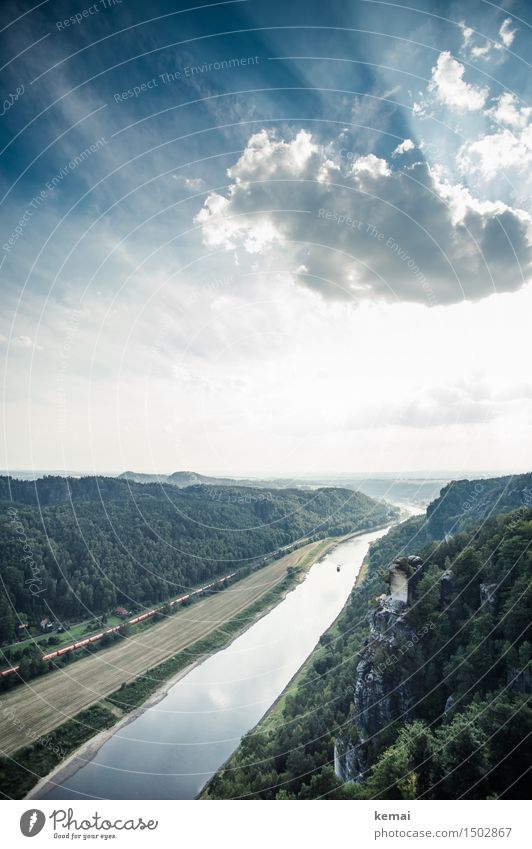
[(266, 238)]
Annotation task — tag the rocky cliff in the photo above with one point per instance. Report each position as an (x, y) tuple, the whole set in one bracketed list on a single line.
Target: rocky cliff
[(378, 700)]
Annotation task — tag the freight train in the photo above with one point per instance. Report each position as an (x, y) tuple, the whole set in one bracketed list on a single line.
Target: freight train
[(140, 618)]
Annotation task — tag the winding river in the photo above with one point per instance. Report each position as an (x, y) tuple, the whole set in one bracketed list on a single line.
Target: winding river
[(174, 746)]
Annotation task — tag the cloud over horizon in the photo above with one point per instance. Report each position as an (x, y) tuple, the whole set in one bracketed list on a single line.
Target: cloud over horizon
[(365, 230)]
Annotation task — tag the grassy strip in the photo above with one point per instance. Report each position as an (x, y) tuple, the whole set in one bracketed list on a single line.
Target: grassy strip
[(30, 763), (21, 772)]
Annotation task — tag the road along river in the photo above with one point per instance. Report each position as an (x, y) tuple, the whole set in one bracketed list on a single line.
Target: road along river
[(174, 747)]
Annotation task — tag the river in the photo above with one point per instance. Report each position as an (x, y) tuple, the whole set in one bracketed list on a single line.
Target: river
[(173, 747)]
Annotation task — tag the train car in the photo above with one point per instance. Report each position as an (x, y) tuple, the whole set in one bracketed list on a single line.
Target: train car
[(50, 656), (141, 617), (64, 650), (95, 637)]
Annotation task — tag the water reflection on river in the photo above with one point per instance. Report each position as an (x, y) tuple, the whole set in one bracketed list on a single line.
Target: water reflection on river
[(172, 749)]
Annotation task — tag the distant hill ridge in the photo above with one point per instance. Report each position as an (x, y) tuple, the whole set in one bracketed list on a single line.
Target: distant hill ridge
[(395, 489), (188, 478)]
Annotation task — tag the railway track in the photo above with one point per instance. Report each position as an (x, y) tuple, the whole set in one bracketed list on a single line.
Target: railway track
[(133, 621)]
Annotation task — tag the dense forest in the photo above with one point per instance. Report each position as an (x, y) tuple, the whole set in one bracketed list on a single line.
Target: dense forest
[(75, 548), (428, 702), (465, 503)]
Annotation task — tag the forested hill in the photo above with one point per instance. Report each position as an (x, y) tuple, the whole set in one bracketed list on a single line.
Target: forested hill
[(464, 503), (86, 545)]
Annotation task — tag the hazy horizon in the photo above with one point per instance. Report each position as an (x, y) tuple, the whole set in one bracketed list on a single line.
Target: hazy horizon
[(310, 475)]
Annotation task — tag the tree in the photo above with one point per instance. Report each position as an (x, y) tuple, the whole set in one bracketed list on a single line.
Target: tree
[(7, 621), (463, 757)]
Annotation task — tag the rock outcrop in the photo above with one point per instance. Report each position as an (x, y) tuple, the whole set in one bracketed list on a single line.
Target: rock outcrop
[(378, 700), (519, 680), (404, 575), (489, 596)]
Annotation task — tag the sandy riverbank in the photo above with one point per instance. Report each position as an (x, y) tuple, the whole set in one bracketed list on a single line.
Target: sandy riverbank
[(85, 753)]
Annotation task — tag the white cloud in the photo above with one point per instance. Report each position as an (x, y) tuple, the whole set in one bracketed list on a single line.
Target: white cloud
[(20, 341), (496, 152), (509, 149), (476, 50), (507, 111), (265, 158), (461, 201), (368, 233), (370, 164), (506, 34), (194, 184), (467, 32), (222, 229), (404, 147), (271, 156), (450, 88)]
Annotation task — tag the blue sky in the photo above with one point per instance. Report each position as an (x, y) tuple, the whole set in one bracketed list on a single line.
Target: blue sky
[(266, 237)]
